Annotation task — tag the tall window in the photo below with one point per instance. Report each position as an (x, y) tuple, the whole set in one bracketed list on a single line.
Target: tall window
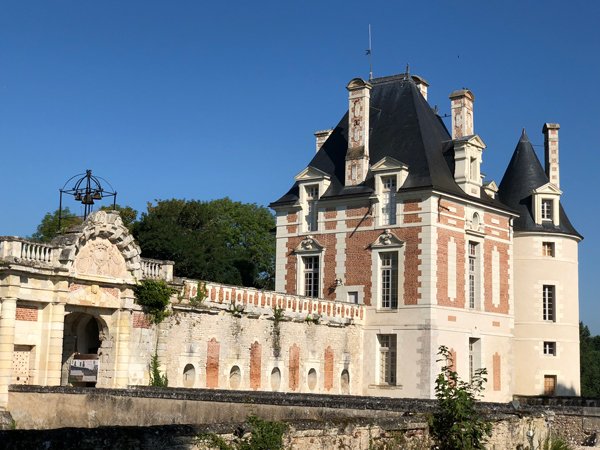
[(474, 356), (389, 279), (388, 206), (546, 209), (312, 195), (548, 303), (473, 273), (311, 276), (387, 358)]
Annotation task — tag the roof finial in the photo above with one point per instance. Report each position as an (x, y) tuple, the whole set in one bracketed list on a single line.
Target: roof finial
[(369, 52)]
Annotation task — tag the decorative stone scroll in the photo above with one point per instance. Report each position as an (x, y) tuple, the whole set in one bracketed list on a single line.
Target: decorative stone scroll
[(387, 239), (309, 244), (101, 246)]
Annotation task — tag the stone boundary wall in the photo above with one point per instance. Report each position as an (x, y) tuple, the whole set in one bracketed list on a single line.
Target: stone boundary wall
[(323, 416)]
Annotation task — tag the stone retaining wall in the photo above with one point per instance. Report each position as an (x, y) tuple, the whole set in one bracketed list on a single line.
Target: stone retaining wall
[(316, 421)]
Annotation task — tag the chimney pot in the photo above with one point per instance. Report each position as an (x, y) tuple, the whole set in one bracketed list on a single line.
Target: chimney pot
[(322, 136), (357, 155), (462, 113), (550, 131)]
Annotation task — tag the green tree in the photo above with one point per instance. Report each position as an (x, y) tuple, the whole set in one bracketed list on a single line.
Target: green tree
[(589, 351), (48, 228), (220, 240), (457, 425)]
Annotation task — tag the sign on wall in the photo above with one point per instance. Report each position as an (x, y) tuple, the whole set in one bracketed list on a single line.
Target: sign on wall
[(84, 369)]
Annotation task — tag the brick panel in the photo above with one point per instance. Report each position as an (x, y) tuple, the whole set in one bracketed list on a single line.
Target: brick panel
[(504, 276), (212, 364), (294, 368), (443, 238), (328, 369), (357, 212), (497, 370), (27, 313), (140, 320), (255, 366), (453, 365)]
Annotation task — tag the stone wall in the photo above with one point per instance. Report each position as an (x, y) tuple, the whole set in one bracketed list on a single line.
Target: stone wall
[(316, 421)]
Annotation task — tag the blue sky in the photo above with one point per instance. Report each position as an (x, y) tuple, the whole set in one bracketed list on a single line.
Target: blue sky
[(202, 100)]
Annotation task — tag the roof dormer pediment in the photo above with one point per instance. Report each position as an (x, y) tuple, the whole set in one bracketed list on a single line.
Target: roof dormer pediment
[(388, 163), (548, 188), (311, 173), (472, 139)]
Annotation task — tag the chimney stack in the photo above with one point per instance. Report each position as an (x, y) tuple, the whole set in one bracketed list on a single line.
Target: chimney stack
[(322, 136), (550, 131), (422, 84), (462, 113), (357, 156)]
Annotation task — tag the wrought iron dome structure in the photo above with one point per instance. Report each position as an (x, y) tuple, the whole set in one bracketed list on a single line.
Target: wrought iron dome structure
[(86, 189)]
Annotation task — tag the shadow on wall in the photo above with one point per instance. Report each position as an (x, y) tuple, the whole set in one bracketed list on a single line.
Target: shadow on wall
[(564, 390)]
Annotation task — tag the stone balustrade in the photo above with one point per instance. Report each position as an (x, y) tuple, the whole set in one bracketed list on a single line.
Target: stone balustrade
[(246, 300), (19, 250), (15, 249), (157, 269)]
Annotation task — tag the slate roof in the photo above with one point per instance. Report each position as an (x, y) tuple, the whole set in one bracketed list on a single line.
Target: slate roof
[(524, 174), (402, 126)]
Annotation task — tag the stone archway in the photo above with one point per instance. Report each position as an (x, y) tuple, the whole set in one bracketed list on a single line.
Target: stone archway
[(83, 338)]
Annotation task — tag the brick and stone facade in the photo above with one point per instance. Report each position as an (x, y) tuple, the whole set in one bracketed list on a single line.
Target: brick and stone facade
[(388, 246)]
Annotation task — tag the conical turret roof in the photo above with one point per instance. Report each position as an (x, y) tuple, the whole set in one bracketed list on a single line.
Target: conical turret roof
[(523, 175)]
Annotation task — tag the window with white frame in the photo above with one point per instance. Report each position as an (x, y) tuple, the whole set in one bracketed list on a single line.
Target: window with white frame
[(548, 249), (547, 210), (550, 348), (389, 279), (353, 297), (548, 303), (473, 273), (388, 200), (387, 358), (312, 195), (474, 356), (311, 275)]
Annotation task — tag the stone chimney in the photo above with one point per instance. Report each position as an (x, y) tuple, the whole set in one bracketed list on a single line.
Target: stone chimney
[(322, 136), (550, 131), (422, 85), (357, 156), (462, 113)]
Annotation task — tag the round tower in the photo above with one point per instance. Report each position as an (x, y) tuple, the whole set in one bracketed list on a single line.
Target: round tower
[(545, 273)]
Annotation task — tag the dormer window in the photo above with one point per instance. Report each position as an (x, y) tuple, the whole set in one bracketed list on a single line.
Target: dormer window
[(389, 175), (388, 204), (546, 204), (546, 209), (312, 183)]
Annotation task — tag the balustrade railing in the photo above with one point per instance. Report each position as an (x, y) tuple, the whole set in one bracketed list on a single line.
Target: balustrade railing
[(31, 251)]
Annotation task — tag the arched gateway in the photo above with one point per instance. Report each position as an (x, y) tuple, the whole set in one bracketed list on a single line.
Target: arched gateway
[(68, 309)]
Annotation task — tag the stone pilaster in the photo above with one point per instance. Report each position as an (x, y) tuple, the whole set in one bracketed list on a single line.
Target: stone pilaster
[(55, 344), (121, 350), (7, 346)]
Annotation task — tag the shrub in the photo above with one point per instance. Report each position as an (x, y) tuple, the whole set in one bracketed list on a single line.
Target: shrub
[(154, 297), (457, 425)]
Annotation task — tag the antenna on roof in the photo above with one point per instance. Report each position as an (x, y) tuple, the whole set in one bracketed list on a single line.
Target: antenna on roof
[(407, 71), (369, 54)]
